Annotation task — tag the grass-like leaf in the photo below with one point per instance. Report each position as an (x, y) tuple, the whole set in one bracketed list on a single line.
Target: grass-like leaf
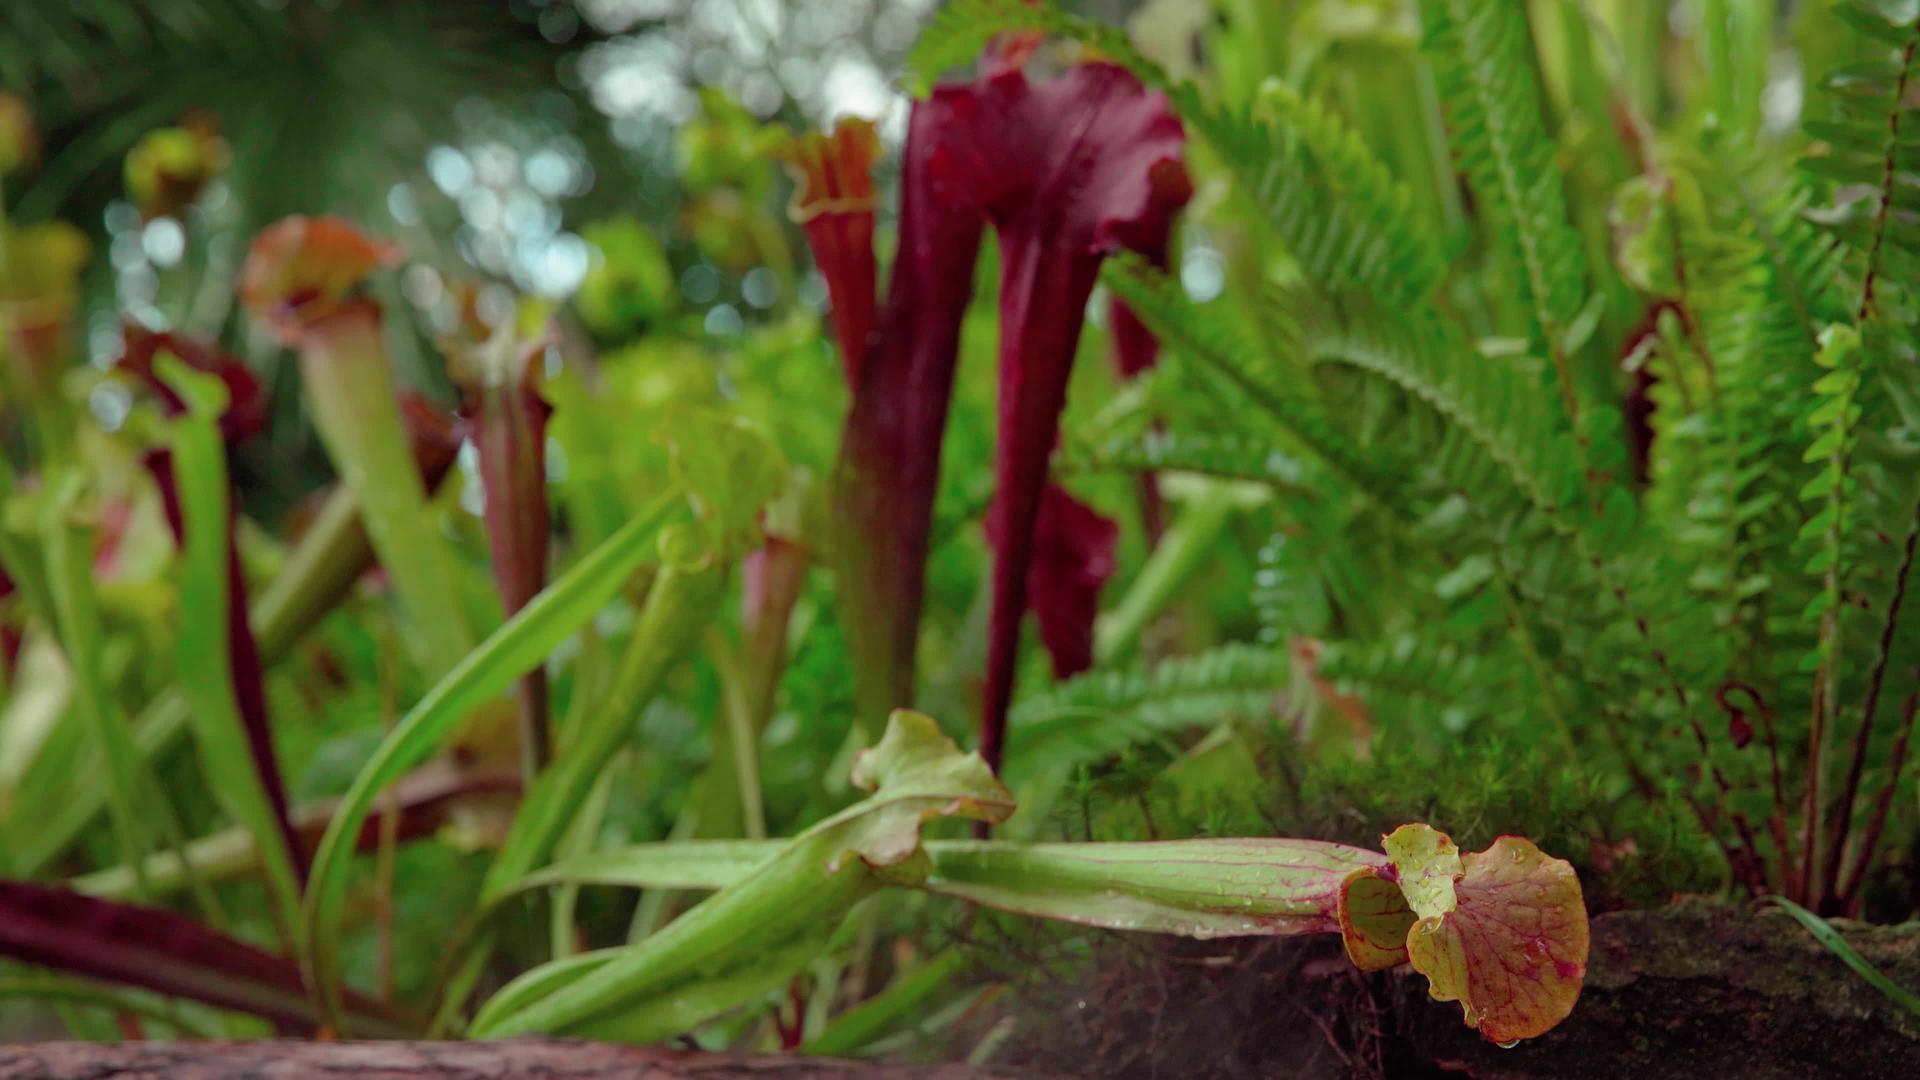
[(69, 562), (524, 641), (1825, 934)]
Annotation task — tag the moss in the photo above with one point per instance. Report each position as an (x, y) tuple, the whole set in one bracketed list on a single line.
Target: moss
[(1628, 851)]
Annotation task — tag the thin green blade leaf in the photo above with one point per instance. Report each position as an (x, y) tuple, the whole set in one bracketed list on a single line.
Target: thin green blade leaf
[(1825, 934), (522, 642), (70, 587)]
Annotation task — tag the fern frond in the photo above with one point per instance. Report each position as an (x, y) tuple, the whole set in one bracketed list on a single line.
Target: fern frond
[(1860, 419), (1345, 219), (1834, 425), (1869, 143), (1410, 671), (1491, 401), (1615, 569), (1232, 457), (1483, 59), (1215, 348), (1289, 592), (1769, 281), (1097, 714)]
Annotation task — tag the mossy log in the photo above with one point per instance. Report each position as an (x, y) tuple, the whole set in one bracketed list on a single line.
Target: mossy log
[(1697, 990), (1685, 992)]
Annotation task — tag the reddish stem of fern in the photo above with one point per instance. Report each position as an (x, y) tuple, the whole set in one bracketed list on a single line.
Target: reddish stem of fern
[(1896, 762), (1777, 819), (1842, 817)]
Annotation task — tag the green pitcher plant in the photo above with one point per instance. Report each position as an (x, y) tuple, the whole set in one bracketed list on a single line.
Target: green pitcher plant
[(1503, 931)]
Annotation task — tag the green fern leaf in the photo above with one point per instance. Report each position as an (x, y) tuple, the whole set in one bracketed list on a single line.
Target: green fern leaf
[(1343, 216), (1866, 142), (1232, 457), (1097, 714), (1212, 345), (1489, 400), (1483, 57)]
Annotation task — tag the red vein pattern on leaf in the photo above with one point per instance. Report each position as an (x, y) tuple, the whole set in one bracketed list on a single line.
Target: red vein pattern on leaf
[(1068, 171), (1514, 952)]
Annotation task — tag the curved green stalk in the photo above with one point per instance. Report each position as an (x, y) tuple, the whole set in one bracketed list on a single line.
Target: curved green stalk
[(53, 988), (1184, 547)]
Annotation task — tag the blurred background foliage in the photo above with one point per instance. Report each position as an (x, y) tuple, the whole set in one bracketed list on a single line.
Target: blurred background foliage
[(518, 141)]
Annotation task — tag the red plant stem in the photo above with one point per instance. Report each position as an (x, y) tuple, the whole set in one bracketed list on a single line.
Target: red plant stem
[(1745, 869), (249, 692), (243, 664), (1723, 788), (1643, 783), (889, 465), (1896, 762), (1135, 352), (771, 580), (10, 636), (1810, 816), (1777, 818), (1043, 292), (1841, 820), (148, 947), (509, 432), (843, 245)]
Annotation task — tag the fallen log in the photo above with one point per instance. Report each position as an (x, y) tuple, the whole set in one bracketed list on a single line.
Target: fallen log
[(550, 1059)]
